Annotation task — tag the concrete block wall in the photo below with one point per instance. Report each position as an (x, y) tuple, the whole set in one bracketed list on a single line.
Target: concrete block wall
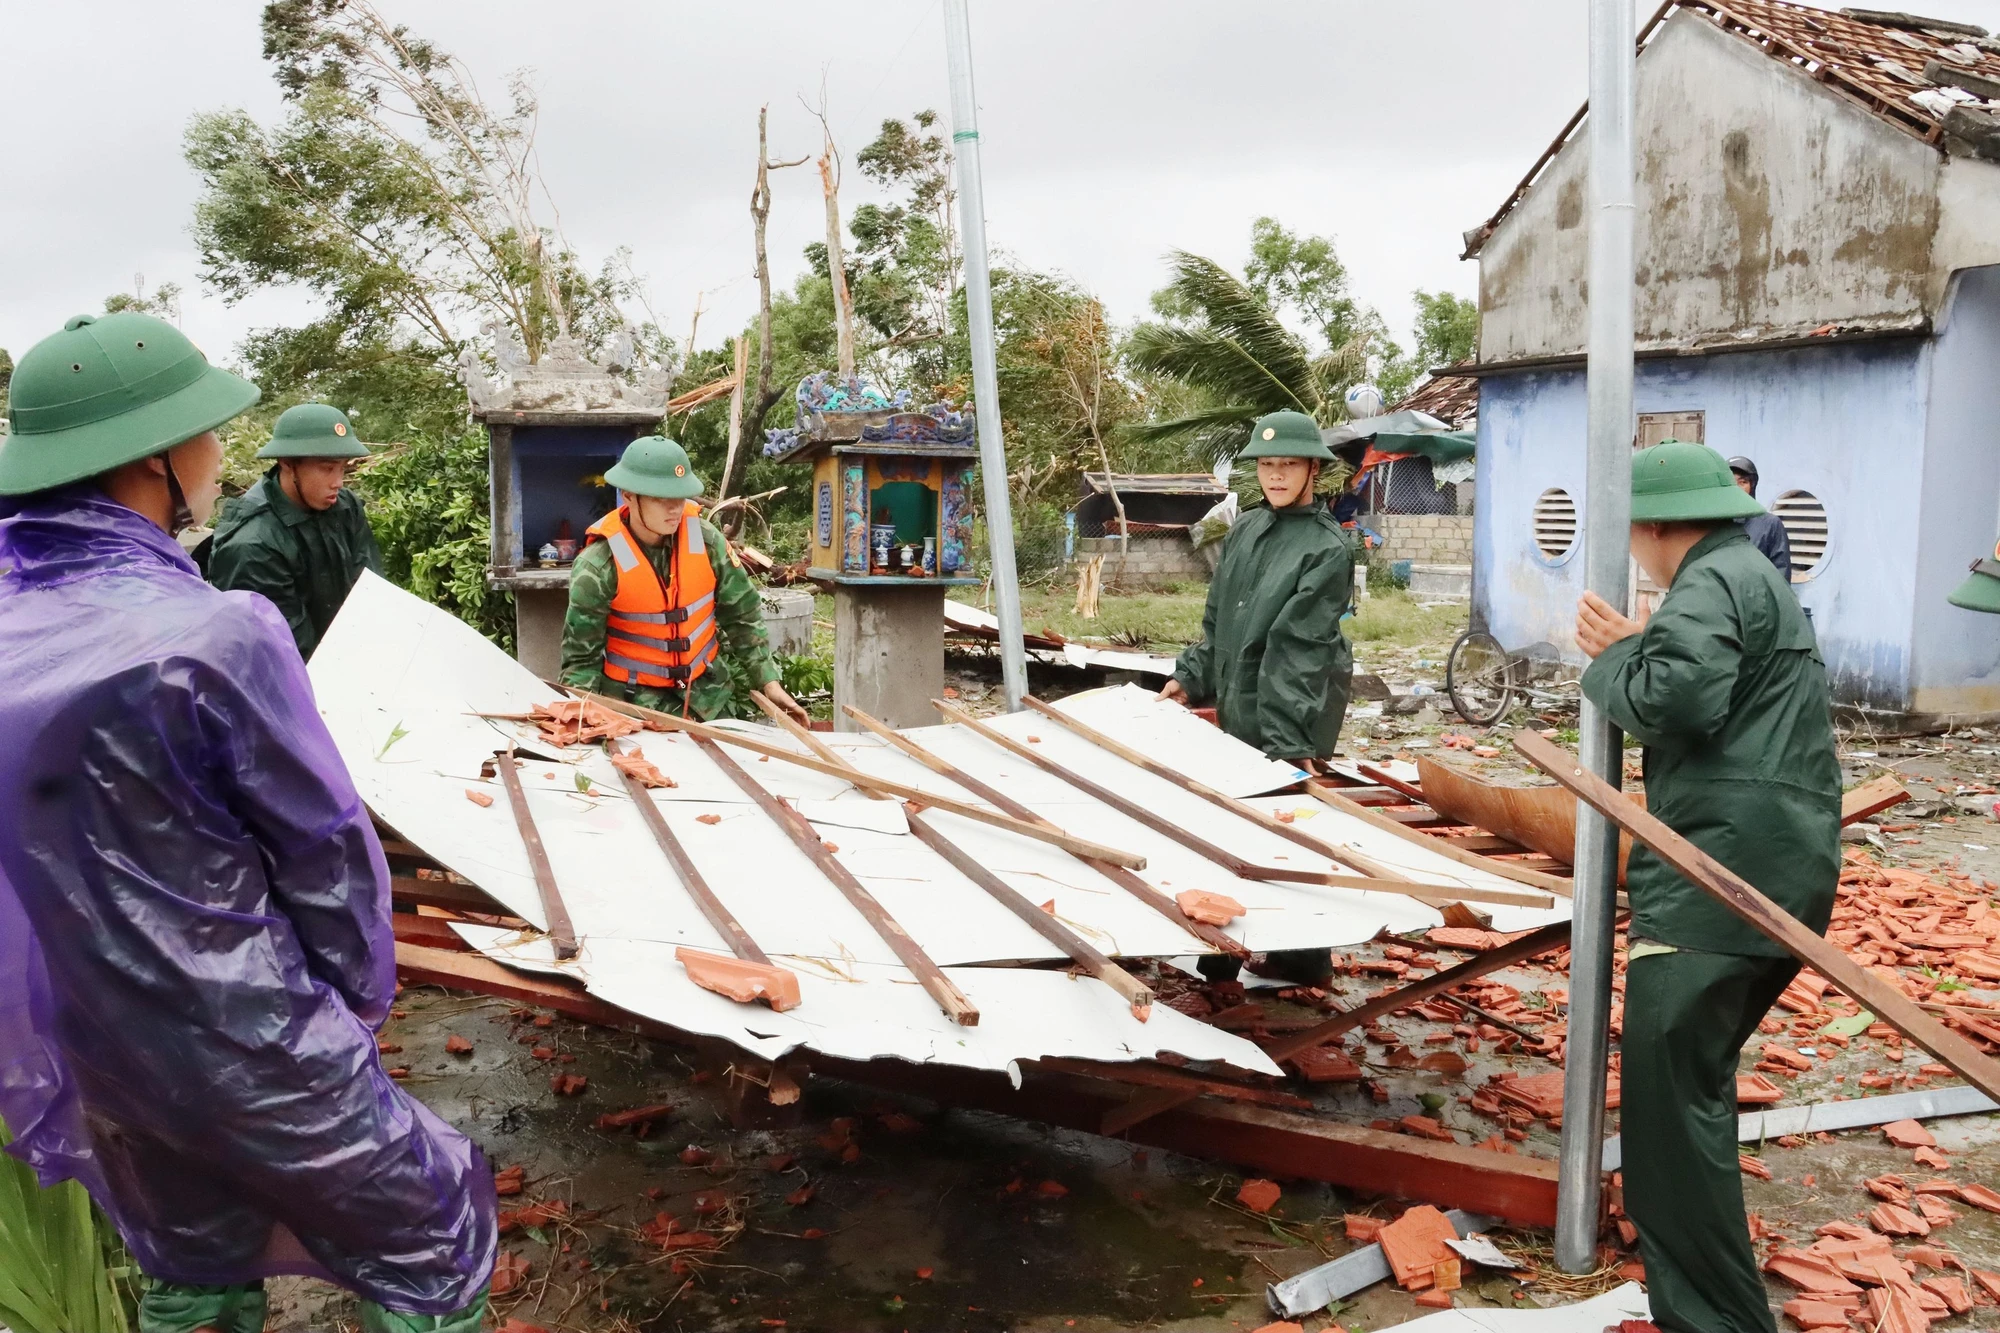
[(1149, 562), (1426, 539)]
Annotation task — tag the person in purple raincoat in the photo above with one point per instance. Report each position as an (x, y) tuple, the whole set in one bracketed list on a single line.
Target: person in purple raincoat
[(194, 933)]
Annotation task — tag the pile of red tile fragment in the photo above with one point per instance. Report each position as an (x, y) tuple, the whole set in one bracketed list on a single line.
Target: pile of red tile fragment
[(580, 722)]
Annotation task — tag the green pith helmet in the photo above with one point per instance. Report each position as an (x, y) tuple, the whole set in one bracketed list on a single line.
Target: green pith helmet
[(106, 391), (655, 466), (1981, 589), (1675, 481), (1287, 435), (313, 430)]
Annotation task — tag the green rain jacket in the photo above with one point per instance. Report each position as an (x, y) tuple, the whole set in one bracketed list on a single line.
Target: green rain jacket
[(303, 561), (1726, 690), (739, 618), (1272, 657)]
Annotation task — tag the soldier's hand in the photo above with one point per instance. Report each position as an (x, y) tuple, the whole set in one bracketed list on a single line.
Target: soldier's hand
[(1172, 691), (776, 694), (1599, 625)]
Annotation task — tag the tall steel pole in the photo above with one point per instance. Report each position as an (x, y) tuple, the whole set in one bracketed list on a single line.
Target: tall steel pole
[(1607, 514), (985, 387)]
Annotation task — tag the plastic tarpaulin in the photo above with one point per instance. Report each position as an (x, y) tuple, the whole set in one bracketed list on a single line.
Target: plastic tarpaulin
[(194, 934)]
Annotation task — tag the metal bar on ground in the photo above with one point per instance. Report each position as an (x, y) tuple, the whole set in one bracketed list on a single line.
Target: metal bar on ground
[(956, 1005), (1872, 992), (985, 376), (1383, 880), (1515, 951), (725, 922), (562, 935), (1607, 512), (1119, 875), (1043, 832), (1332, 796), (1078, 950), (1357, 1270), (1828, 1117)]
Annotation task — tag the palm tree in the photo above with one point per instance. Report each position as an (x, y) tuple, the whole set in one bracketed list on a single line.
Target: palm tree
[(1239, 361)]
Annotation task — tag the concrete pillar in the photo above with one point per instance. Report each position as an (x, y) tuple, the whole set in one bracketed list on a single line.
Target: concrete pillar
[(888, 652), (538, 625)]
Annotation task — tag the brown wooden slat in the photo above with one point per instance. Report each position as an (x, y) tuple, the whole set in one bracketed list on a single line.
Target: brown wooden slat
[(562, 935)]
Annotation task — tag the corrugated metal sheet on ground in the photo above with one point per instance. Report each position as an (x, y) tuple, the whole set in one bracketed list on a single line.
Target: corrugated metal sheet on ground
[(401, 683)]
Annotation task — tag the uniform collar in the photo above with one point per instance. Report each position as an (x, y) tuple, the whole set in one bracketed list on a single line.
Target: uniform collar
[(1716, 537)]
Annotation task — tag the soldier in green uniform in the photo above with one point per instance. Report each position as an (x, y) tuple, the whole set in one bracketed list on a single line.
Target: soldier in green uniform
[(299, 536), (1724, 686), (1272, 656), (632, 598)]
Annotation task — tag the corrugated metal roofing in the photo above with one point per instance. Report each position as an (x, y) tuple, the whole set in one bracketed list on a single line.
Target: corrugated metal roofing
[(1452, 399)]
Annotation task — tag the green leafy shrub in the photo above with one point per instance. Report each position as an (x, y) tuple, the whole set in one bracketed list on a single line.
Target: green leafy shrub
[(427, 503)]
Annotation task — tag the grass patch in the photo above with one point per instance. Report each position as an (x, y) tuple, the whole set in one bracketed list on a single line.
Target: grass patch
[(1392, 617), (1157, 620)]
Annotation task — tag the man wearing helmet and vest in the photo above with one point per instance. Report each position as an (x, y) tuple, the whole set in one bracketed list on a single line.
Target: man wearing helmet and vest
[(1272, 657), (660, 614), (194, 913), (299, 536), (1724, 686)]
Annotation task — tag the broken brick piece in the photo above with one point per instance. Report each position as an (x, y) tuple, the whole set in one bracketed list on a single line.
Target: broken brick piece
[(569, 1085), (1434, 1300), (1211, 909), (1424, 1127), (1979, 1196), (708, 819), (638, 1115), (478, 798), (457, 1045), (1951, 1291), (1259, 1196), (1931, 1158), (1750, 1166), (1812, 1273), (1908, 1134), (1414, 1245), (1811, 1314), (636, 766), (1361, 1228), (1446, 1276), (739, 979), (510, 1270), (509, 1181), (1892, 1220)]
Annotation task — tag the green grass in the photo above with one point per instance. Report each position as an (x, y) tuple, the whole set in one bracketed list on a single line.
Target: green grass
[(1391, 617), (1167, 619), (54, 1273)]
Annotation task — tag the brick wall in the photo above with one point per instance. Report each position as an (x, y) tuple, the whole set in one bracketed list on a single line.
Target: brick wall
[(1427, 539), (1151, 562)]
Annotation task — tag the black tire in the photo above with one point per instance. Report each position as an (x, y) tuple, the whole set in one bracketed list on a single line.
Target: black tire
[(1479, 677)]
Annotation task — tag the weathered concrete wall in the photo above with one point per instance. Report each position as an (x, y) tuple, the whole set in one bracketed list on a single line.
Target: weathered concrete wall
[(1767, 207), (1150, 562), (1956, 664), (888, 653), (1427, 539), (538, 626), (1846, 423)]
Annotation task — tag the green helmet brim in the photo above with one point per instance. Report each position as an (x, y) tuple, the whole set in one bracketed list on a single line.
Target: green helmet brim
[(1979, 592), (328, 445), (39, 461), (633, 482), (1706, 504)]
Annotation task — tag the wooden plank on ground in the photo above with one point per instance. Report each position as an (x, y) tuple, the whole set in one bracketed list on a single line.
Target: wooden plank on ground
[(1872, 798), (1870, 990)]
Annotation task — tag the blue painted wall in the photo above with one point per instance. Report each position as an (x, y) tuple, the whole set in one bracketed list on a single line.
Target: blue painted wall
[(1957, 658), (1846, 423)]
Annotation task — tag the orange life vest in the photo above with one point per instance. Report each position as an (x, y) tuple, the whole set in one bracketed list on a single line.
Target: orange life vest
[(660, 635)]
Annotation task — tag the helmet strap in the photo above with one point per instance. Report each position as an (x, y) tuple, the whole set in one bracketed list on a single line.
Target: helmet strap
[(183, 518)]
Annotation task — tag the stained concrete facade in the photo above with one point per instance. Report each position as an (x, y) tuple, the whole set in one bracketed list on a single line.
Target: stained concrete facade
[(1767, 207)]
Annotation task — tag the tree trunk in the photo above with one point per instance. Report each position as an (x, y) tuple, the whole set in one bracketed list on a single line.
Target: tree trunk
[(751, 426), (742, 350), (836, 258)]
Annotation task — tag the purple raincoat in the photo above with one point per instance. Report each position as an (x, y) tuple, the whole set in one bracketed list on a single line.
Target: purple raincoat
[(194, 934)]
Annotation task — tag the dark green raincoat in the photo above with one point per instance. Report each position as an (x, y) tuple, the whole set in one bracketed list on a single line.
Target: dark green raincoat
[(304, 562), (1272, 658), (1727, 692)]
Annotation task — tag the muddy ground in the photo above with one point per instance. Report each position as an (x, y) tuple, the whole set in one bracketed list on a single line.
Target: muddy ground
[(925, 1218)]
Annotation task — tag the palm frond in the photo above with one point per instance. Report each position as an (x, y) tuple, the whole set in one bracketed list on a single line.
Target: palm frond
[(1237, 350), (1209, 419)]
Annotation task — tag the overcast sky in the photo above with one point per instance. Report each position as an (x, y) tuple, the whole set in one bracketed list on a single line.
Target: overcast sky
[(1112, 132)]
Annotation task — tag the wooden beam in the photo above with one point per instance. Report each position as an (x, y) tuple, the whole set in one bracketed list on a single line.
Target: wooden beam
[(697, 886), (1872, 798), (956, 1005), (1077, 949), (1331, 796), (1119, 875), (562, 935), (1528, 946), (1375, 876), (1259, 1138), (445, 893), (1052, 835), (1872, 992)]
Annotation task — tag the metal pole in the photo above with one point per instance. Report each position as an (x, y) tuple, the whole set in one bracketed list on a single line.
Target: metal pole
[(985, 387), (1607, 514)]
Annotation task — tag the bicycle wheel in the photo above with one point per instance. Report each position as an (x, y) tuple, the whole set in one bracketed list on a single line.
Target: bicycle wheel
[(1479, 677)]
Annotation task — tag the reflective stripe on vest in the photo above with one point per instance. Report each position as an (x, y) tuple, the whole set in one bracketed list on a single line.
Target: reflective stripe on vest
[(659, 635)]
